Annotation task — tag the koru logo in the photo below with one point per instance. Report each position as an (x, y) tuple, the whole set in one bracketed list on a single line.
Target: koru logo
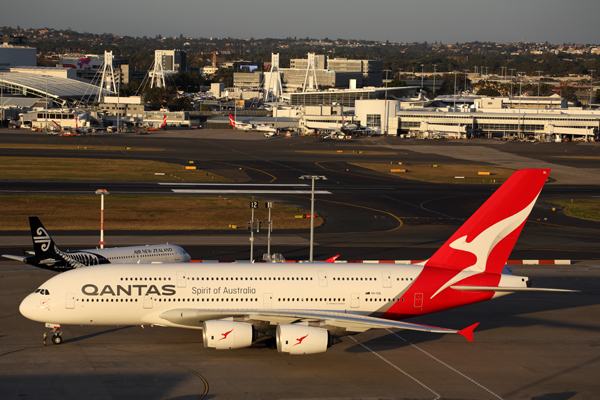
[(43, 238)]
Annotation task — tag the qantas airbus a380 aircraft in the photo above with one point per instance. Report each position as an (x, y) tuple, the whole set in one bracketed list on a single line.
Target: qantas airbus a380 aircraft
[(304, 306)]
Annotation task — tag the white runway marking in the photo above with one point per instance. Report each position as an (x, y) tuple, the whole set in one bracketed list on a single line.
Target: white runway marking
[(398, 368), (446, 365), (249, 191)]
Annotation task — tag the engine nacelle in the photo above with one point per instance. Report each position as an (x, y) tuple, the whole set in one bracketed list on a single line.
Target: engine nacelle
[(224, 335), (302, 339)]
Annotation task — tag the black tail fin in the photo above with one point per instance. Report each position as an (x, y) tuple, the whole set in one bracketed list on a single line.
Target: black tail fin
[(42, 242)]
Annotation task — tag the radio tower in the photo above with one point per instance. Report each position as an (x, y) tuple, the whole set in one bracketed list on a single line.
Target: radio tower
[(273, 89)]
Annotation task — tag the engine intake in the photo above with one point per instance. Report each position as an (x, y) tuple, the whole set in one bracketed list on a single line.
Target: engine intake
[(302, 339), (225, 335)]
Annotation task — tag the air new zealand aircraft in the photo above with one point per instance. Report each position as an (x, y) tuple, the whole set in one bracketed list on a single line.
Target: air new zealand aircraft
[(48, 256)]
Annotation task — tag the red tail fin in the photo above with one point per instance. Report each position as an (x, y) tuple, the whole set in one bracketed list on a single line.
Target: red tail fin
[(164, 121), (485, 241), (231, 121)]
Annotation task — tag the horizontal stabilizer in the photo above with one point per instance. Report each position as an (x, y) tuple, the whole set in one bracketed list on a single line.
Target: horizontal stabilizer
[(468, 332), (507, 289), (16, 258)]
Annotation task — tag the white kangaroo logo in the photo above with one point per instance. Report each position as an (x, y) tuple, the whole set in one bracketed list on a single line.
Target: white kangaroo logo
[(484, 243), (43, 238)]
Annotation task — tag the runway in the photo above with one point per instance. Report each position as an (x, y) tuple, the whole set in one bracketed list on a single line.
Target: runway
[(541, 346)]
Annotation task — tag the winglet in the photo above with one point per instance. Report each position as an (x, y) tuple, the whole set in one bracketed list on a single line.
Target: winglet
[(332, 259), (468, 332)]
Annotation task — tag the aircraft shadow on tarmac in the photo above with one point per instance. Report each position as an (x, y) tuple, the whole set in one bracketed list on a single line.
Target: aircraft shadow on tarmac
[(95, 334), (517, 310), (555, 396)]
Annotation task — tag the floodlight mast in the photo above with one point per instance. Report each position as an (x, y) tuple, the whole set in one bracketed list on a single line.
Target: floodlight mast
[(312, 209)]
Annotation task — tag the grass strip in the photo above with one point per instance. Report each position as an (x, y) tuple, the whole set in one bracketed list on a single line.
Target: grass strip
[(584, 209), (42, 146), (438, 173), (41, 168), (349, 152), (144, 213)]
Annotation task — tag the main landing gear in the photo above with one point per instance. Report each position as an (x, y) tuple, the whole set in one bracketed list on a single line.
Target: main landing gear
[(57, 333)]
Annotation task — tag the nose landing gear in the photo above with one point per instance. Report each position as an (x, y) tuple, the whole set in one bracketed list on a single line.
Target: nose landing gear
[(57, 333)]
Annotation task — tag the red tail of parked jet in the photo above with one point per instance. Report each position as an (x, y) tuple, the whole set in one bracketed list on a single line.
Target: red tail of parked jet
[(468, 267), (164, 121)]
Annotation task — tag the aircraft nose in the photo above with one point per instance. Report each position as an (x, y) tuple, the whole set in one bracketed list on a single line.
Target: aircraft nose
[(30, 307), (186, 257)]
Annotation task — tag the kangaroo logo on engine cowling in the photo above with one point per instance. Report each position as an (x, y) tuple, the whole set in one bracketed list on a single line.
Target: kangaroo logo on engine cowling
[(139, 290)]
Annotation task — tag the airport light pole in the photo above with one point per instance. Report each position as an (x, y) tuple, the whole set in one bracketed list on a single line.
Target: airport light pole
[(312, 209), (455, 72), (2, 98), (385, 103), (422, 66), (434, 71), (591, 88), (538, 97), (102, 193), (511, 81), (466, 72)]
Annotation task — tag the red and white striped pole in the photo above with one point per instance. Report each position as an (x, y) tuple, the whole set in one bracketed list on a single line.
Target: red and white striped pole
[(102, 192)]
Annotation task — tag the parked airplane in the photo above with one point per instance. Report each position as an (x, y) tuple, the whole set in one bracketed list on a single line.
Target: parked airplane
[(239, 125), (48, 256), (266, 128), (305, 307), (157, 126)]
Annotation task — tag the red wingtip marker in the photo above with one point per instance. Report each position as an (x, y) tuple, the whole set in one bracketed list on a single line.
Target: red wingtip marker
[(468, 332)]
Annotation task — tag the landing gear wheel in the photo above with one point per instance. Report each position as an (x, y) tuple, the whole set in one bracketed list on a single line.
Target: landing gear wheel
[(57, 339)]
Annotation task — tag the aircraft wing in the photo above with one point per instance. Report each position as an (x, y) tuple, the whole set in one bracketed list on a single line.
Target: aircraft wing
[(16, 258), (351, 322)]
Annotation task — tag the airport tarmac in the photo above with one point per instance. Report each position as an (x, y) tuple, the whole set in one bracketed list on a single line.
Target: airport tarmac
[(542, 346)]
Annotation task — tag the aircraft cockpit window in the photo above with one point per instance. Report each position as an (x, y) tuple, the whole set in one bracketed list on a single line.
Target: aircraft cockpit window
[(37, 290)]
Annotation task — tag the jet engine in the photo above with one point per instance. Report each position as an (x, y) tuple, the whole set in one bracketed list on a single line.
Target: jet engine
[(302, 339), (224, 335)]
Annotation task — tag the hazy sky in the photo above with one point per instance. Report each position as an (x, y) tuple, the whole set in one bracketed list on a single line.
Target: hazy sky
[(448, 21)]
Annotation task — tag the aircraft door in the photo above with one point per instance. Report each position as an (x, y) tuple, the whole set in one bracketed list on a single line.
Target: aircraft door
[(268, 299), (354, 300), (322, 279), (181, 279), (70, 301), (386, 279), (148, 302), (418, 300)]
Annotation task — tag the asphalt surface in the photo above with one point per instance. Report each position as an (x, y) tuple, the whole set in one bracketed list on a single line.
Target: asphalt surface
[(528, 346)]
